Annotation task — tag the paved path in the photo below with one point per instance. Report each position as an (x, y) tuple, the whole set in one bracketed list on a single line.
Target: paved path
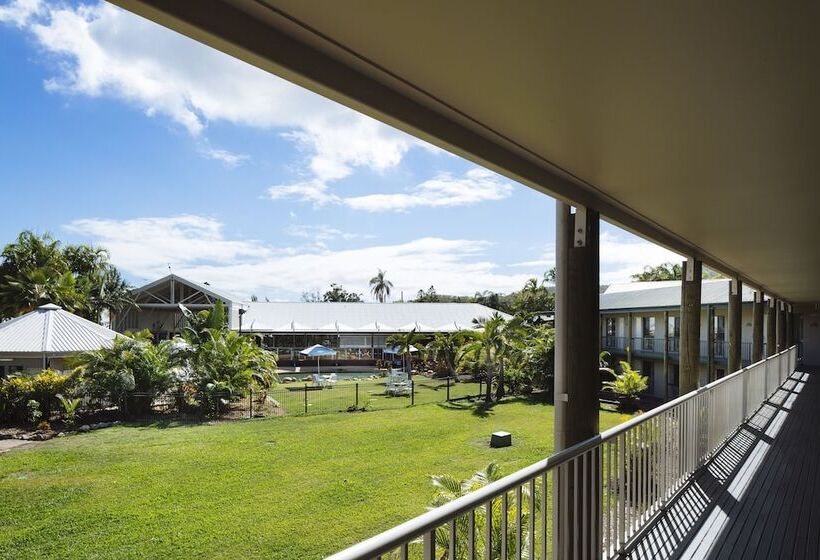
[(9, 444)]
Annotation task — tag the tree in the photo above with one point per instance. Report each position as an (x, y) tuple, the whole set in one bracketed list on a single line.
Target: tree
[(405, 342), (338, 293), (430, 296), (443, 348), (488, 346), (37, 269), (665, 271), (380, 287), (311, 297), (533, 298)]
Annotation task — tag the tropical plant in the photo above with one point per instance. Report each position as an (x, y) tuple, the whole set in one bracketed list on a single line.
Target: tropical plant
[(449, 488), (338, 293), (70, 407), (37, 269), (534, 297), (380, 287), (430, 296), (17, 391), (33, 411), (537, 356), (134, 364), (627, 385), (443, 349), (490, 346), (405, 342)]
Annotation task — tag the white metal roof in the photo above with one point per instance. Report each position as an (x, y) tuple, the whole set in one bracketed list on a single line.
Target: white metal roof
[(654, 295), (52, 330), (361, 317)]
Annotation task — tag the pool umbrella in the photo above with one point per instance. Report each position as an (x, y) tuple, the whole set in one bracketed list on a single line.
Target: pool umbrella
[(318, 350)]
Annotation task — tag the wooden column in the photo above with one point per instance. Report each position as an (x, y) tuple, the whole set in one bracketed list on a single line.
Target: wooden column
[(710, 343), (666, 355), (577, 380), (781, 325), (757, 327), (771, 327), (789, 326), (690, 326), (734, 319)]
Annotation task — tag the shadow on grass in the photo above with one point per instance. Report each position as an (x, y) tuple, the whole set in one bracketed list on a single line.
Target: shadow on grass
[(478, 407)]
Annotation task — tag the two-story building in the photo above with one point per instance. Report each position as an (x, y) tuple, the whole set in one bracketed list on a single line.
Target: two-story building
[(640, 323)]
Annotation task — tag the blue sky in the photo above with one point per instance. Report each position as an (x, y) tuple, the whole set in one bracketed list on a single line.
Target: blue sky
[(121, 133)]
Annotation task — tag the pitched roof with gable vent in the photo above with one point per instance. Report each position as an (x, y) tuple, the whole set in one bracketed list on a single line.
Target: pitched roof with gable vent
[(50, 329)]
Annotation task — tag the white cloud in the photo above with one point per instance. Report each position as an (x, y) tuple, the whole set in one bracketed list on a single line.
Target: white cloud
[(444, 190), (230, 159), (322, 233), (197, 247), (20, 12), (623, 255), (106, 51), (477, 185)]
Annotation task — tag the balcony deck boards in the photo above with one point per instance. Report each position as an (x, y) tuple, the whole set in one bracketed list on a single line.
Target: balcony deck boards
[(759, 496)]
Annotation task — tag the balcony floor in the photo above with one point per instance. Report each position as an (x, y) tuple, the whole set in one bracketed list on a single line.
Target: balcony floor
[(759, 497)]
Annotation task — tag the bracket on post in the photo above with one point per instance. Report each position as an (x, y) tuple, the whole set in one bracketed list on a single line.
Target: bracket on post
[(690, 269), (733, 286), (580, 233)]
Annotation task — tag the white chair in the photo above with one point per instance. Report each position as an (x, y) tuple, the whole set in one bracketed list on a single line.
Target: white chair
[(317, 380), (331, 380)]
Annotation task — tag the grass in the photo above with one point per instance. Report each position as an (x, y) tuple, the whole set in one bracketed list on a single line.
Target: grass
[(283, 488), (371, 395)]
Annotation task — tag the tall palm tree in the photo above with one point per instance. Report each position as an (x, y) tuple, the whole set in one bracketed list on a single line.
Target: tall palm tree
[(380, 287), (485, 346)]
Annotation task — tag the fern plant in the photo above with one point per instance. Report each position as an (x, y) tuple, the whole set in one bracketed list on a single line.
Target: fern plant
[(70, 407), (628, 385)]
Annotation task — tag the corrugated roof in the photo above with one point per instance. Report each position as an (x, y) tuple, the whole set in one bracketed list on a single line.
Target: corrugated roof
[(361, 317), (53, 330), (713, 292)]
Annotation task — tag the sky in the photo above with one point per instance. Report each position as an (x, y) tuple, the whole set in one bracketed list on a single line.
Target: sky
[(117, 132)]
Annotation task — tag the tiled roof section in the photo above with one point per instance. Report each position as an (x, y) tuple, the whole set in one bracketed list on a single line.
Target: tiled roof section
[(53, 330), (713, 292), (361, 317)]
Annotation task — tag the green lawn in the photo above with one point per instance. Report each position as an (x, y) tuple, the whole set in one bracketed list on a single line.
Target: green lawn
[(293, 399), (282, 488)]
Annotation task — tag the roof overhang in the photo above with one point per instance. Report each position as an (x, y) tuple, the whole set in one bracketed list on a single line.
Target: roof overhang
[(693, 126)]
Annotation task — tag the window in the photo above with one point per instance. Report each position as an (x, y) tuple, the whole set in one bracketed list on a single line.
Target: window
[(720, 327), (648, 327), (610, 326), (673, 327)]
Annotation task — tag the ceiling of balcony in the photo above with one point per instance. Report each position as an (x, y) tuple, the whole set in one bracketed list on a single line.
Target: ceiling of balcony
[(696, 126)]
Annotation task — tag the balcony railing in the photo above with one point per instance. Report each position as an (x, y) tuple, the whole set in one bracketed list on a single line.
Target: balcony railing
[(609, 487)]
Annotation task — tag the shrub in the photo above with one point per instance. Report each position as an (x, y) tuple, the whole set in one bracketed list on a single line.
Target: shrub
[(70, 407), (628, 385), (33, 411), (16, 392), (44, 426)]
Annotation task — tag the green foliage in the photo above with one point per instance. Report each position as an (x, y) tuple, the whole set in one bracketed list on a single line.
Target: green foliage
[(35, 270), (44, 425), (16, 392), (70, 407), (537, 353), (33, 412), (403, 342), (534, 297), (449, 488), (338, 293), (670, 271), (430, 296), (628, 384), (133, 364), (443, 349), (380, 287)]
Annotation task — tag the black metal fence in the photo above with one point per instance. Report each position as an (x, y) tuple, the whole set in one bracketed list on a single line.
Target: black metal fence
[(294, 399)]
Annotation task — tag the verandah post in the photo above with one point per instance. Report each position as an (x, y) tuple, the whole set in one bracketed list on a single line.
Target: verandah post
[(690, 326), (577, 379), (305, 398)]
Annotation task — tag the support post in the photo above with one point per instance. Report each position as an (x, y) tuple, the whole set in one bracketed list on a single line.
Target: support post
[(789, 325), (771, 327), (666, 355), (710, 343), (734, 320), (577, 380), (781, 325), (690, 326), (630, 321), (757, 327)]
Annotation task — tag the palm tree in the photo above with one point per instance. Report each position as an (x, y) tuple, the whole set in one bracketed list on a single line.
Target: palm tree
[(485, 346), (405, 342), (380, 287), (444, 348)]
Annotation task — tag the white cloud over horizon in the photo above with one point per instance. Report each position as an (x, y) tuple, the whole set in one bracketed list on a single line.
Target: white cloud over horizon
[(104, 51), (197, 247)]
